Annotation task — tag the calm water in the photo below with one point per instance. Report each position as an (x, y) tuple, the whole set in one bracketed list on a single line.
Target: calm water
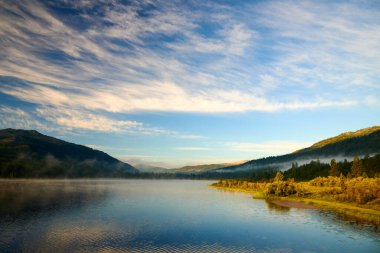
[(163, 216)]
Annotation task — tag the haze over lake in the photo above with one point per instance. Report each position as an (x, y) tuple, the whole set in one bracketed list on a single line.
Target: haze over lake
[(163, 216)]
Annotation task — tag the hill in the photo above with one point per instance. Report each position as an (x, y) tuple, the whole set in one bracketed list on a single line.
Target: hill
[(346, 136), (28, 153), (346, 145), (147, 168), (205, 167), (201, 168)]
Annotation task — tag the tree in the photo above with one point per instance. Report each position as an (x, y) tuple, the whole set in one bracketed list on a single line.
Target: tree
[(279, 176), (334, 170), (357, 167)]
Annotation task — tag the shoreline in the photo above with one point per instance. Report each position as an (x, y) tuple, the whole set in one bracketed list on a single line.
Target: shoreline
[(255, 194), (293, 204), (351, 211)]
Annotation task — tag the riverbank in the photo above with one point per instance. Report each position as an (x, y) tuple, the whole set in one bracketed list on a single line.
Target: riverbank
[(255, 194), (294, 204), (308, 195)]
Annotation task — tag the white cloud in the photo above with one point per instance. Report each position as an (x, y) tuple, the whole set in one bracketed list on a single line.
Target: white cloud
[(167, 97), (86, 120), (108, 148), (268, 56), (68, 119), (75, 119), (12, 111), (372, 100), (234, 41), (268, 148), (329, 46), (11, 117), (140, 78), (192, 148)]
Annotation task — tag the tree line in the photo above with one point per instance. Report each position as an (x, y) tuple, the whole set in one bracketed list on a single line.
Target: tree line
[(366, 167)]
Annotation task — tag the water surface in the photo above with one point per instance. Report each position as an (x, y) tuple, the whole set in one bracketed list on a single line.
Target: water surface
[(163, 216)]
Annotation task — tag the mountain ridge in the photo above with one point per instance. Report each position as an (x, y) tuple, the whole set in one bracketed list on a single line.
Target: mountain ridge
[(32, 154), (344, 136), (362, 142), (206, 167), (28, 153)]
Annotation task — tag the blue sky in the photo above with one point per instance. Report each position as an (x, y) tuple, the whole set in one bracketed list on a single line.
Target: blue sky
[(174, 83)]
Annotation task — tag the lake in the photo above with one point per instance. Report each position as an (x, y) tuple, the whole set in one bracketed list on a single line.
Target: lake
[(164, 216)]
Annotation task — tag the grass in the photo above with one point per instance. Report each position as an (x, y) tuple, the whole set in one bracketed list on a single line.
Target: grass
[(256, 194)]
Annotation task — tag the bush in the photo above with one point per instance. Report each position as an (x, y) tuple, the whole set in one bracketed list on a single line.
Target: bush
[(327, 181), (281, 188), (361, 190), (358, 190)]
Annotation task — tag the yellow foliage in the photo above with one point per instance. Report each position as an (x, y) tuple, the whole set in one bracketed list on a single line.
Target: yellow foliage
[(357, 197), (358, 190)]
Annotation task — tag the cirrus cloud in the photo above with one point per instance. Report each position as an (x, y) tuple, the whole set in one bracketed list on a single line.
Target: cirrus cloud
[(160, 61)]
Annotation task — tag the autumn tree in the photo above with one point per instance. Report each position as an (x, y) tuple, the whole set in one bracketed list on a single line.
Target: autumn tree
[(357, 167), (279, 176), (334, 170)]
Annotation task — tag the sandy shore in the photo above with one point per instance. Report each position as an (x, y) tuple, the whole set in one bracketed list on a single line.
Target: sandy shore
[(294, 204)]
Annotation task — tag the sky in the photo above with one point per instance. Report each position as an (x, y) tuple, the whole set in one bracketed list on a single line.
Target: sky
[(174, 83)]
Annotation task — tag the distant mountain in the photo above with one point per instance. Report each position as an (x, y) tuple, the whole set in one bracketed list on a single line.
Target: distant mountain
[(201, 168), (362, 142), (28, 153), (146, 168), (206, 167)]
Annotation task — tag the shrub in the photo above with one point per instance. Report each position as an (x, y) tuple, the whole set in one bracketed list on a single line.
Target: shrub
[(361, 190), (326, 181), (281, 188)]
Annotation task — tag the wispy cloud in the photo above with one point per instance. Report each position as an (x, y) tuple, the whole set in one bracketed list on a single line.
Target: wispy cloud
[(234, 40), (160, 61), (268, 148), (11, 117), (328, 46), (167, 97), (372, 100), (108, 148), (153, 72), (86, 120), (69, 118), (192, 148), (53, 119)]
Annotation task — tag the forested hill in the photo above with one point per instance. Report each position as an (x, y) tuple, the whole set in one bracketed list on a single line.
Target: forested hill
[(362, 142), (28, 153), (205, 167)]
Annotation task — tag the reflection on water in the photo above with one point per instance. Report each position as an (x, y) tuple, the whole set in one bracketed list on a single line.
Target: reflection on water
[(25, 197), (162, 216), (348, 222), (329, 216), (276, 208)]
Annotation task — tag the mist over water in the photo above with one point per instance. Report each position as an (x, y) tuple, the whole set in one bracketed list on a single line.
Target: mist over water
[(163, 216)]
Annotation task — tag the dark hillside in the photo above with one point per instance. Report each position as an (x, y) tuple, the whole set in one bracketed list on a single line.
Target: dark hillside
[(28, 153)]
